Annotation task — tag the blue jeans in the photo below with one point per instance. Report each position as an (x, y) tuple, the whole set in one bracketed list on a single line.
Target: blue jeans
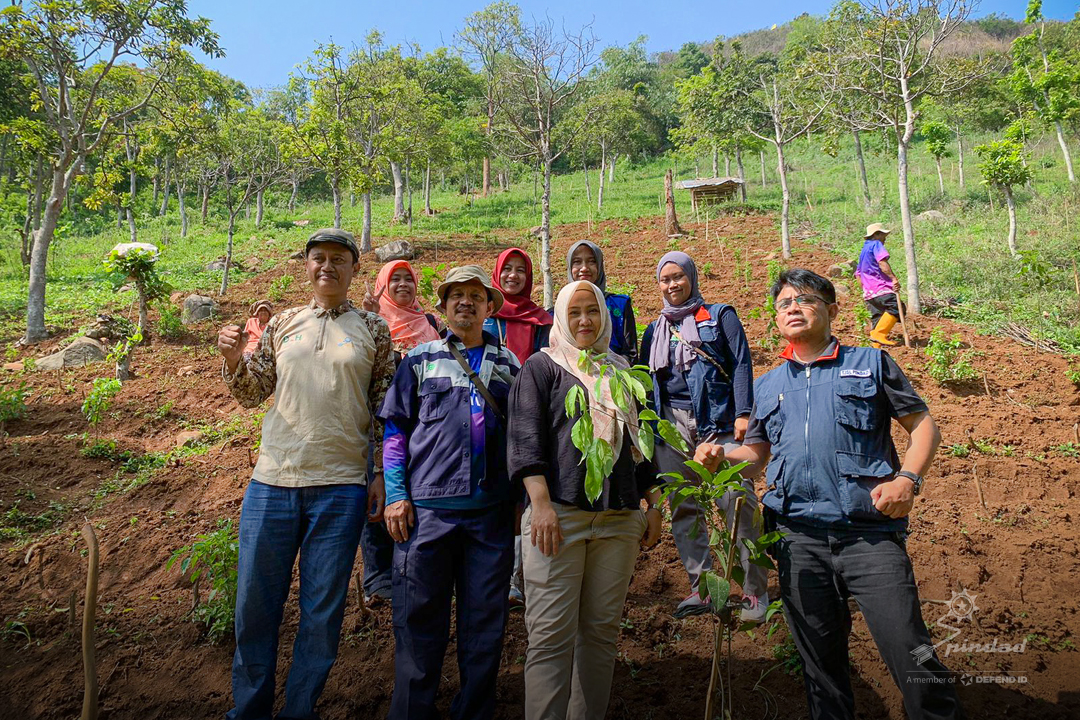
[(820, 568), (377, 547), (322, 524), (462, 553)]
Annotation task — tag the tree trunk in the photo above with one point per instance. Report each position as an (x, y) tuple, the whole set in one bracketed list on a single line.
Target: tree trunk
[(205, 201), (157, 180), (427, 190), (486, 181), (183, 208), (1010, 202), (781, 167), (603, 166), (228, 254), (408, 190), (913, 301), (715, 160), (365, 228), (588, 187), (860, 162), (727, 164), (292, 196), (259, 207), (144, 311), (960, 155), (352, 198), (168, 178), (335, 186), (35, 301), (1064, 150), (399, 191), (940, 178), (611, 169), (39, 191), (545, 232), (761, 154), (133, 186), (671, 221), (742, 172), (120, 215)]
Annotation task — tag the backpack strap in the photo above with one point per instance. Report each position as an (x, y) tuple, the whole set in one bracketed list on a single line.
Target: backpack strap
[(477, 383)]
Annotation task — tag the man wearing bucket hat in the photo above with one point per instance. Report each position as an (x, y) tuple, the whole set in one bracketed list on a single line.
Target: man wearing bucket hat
[(328, 365), (449, 506), (879, 285)]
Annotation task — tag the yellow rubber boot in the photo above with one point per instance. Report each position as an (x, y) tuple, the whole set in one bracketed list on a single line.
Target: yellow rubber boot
[(880, 334)]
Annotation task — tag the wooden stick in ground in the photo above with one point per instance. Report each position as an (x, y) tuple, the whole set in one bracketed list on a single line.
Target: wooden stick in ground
[(90, 691), (978, 485), (903, 319), (1076, 433), (718, 634)]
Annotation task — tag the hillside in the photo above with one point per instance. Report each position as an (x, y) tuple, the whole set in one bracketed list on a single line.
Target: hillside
[(1018, 554)]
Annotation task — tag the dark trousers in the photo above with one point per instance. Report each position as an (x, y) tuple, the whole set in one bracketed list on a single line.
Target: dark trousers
[(819, 569), (378, 550), (882, 304), (322, 524), (467, 554)]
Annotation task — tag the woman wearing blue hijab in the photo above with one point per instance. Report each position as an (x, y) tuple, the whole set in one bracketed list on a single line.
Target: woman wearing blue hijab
[(703, 382), (585, 261)]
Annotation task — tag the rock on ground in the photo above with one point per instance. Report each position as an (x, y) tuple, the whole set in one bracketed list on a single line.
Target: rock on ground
[(198, 307), (842, 269), (930, 215), (84, 351), (397, 250), (188, 438)]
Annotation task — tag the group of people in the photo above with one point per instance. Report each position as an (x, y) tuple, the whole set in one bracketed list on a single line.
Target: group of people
[(443, 448)]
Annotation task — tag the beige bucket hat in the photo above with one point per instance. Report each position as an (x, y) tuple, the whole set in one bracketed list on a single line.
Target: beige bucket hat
[(464, 274), (875, 228)]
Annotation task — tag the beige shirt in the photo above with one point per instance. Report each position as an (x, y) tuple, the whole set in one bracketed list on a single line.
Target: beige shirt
[(328, 371)]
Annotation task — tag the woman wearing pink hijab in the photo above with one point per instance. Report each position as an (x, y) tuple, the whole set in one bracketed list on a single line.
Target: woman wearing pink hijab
[(395, 300)]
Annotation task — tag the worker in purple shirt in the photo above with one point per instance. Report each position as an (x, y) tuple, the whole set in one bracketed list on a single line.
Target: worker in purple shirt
[(879, 285), (449, 506)]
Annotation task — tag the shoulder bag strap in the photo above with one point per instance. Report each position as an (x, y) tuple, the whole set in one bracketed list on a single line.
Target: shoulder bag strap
[(475, 380)]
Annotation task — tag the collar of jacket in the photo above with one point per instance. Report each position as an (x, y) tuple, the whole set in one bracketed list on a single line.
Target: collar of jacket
[(334, 312), (489, 339), (832, 351)]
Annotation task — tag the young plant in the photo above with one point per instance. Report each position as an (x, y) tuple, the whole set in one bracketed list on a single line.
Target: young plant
[(1003, 167), (946, 363), (276, 291), (121, 355), (169, 324), (12, 405), (213, 556), (97, 402), (430, 277), (138, 265)]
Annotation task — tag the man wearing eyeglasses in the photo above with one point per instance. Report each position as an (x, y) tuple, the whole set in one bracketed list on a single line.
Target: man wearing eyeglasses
[(837, 490)]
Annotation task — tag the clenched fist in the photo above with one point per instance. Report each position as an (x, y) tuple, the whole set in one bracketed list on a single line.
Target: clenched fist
[(231, 341)]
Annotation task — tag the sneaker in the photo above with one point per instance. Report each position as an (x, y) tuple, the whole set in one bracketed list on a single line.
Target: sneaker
[(517, 598), (694, 604), (754, 608)]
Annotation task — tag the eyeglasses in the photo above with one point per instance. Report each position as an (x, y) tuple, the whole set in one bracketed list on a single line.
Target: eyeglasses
[(801, 300)]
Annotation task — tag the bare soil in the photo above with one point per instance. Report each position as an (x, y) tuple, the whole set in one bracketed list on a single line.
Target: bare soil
[(1017, 555)]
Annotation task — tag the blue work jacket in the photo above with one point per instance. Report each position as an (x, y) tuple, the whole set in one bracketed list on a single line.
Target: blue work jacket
[(429, 401), (829, 426), (715, 398)]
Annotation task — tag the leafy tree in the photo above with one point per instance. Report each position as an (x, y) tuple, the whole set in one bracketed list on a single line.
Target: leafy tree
[(545, 72), (938, 136), (1046, 78), (690, 59), (888, 52), (139, 265), (1003, 167), (70, 48)]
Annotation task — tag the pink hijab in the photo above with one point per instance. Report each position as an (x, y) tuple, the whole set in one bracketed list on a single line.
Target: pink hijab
[(409, 326)]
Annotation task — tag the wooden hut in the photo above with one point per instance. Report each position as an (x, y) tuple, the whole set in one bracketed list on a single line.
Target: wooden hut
[(705, 191)]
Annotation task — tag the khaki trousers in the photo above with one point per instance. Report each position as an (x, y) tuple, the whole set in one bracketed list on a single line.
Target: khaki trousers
[(573, 605)]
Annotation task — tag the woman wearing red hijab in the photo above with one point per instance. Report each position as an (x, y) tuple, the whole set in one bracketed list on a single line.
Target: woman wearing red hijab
[(521, 325)]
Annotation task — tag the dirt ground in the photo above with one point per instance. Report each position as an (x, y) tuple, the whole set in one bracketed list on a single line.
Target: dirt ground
[(1017, 555)]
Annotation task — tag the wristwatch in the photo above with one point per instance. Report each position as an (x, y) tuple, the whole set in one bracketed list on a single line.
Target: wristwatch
[(917, 479)]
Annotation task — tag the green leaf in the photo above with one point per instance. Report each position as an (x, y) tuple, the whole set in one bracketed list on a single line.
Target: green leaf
[(646, 441), (637, 388), (618, 393), (671, 435), (575, 401), (718, 589), (582, 436), (701, 470), (647, 415)]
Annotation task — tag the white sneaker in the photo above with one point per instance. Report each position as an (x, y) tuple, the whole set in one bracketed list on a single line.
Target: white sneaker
[(754, 608)]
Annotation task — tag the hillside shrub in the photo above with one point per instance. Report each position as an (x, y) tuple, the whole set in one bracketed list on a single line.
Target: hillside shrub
[(213, 556), (946, 363)]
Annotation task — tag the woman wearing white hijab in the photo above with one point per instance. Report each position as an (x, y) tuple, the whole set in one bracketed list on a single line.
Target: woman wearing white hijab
[(578, 555)]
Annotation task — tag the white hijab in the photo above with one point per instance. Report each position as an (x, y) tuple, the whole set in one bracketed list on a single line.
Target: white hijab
[(563, 348)]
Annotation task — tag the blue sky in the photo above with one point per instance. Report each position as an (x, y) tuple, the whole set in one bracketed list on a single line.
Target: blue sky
[(266, 39)]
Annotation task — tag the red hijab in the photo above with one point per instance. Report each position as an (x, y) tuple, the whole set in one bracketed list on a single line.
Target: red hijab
[(521, 314)]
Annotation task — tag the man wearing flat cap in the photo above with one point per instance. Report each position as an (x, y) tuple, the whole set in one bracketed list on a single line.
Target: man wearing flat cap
[(449, 507), (879, 285), (328, 365)]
